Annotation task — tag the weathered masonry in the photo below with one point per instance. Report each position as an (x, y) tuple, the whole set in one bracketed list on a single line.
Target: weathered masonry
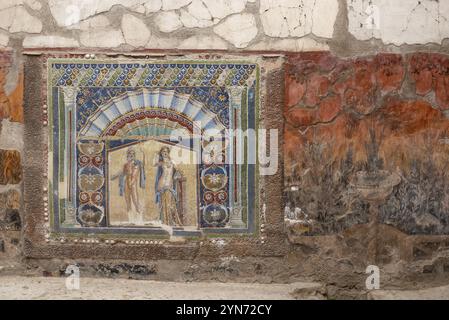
[(104, 108)]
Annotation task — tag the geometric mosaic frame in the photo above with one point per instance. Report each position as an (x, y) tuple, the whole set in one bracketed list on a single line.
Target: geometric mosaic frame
[(90, 102), (262, 236)]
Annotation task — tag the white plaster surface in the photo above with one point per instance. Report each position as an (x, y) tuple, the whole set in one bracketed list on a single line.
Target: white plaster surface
[(69, 12), (4, 39), (99, 21), (238, 29), (400, 21), (48, 41), (135, 31), (204, 42), (11, 135), (253, 24), (102, 38), (295, 45), (168, 21), (18, 19), (297, 18), (174, 4)]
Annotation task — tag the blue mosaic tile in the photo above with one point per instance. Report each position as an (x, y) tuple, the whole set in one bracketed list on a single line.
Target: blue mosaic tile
[(113, 124)]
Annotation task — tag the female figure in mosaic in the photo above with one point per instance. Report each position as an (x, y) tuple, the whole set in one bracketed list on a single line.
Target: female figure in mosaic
[(168, 188)]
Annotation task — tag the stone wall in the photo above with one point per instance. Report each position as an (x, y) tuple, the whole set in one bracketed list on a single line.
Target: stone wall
[(11, 146), (375, 61), (365, 155)]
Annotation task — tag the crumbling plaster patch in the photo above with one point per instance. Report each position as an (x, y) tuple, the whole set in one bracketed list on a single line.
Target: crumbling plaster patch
[(399, 22), (49, 41), (343, 26), (294, 45), (102, 38), (168, 21), (297, 18), (238, 29), (203, 43), (135, 31), (17, 19), (4, 39), (68, 12), (10, 135)]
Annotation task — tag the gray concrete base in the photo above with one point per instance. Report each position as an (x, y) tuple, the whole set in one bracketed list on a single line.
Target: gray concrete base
[(12, 287), (438, 293)]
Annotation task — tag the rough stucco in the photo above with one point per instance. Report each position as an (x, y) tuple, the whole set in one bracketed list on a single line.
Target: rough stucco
[(168, 23), (346, 28), (399, 22)]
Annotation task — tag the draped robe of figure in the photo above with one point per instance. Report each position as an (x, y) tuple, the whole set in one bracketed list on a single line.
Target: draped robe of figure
[(167, 188)]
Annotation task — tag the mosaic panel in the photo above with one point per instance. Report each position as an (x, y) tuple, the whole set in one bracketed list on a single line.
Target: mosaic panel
[(128, 152)]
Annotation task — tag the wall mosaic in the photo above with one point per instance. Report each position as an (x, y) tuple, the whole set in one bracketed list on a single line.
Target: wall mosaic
[(125, 147), (366, 141)]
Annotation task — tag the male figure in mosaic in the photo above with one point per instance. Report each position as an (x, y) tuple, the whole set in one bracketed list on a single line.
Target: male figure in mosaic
[(131, 178), (168, 188)]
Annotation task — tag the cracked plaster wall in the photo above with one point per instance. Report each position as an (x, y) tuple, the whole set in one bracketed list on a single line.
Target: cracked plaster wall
[(286, 25), (346, 28)]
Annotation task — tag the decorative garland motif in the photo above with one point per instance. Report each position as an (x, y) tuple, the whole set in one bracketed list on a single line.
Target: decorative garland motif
[(113, 157)]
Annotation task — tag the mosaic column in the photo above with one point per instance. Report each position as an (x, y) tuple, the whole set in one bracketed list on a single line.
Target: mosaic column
[(69, 95), (235, 100)]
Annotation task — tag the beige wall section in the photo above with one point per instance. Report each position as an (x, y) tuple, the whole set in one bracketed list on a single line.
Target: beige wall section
[(343, 26)]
